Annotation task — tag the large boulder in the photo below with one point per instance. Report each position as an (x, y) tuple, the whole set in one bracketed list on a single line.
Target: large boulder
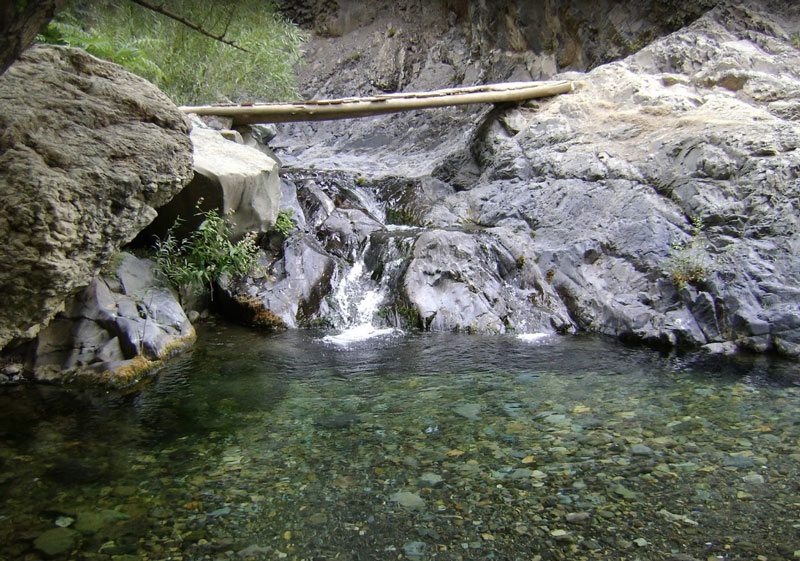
[(87, 152), (460, 281), (238, 181), (115, 330)]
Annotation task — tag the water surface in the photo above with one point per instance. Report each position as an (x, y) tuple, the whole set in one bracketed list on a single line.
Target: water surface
[(423, 446)]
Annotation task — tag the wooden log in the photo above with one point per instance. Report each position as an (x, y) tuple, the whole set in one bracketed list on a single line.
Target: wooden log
[(346, 108)]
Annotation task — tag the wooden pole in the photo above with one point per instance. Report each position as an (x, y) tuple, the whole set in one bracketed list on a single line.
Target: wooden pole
[(346, 108)]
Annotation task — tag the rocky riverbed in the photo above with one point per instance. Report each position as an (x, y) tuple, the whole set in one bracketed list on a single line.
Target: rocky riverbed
[(429, 446)]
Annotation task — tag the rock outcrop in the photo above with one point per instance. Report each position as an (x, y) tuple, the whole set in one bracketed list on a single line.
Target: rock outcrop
[(657, 203), (664, 193), (87, 152), (240, 182), (115, 330)]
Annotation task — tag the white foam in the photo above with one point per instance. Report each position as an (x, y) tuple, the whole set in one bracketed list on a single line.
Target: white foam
[(533, 337), (357, 334)]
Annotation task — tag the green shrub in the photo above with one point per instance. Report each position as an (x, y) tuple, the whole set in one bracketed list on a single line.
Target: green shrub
[(690, 262), (284, 223), (206, 255), (188, 66), (129, 54)]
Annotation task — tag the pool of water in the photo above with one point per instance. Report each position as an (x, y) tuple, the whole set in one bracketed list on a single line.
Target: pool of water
[(423, 446)]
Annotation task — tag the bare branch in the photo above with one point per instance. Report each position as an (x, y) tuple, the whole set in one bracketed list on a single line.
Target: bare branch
[(179, 18)]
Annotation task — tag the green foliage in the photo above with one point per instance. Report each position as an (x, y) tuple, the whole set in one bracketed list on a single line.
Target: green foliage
[(129, 54), (206, 255), (284, 223), (690, 262), (188, 66)]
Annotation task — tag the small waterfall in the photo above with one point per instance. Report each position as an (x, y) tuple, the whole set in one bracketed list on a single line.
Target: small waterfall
[(357, 301)]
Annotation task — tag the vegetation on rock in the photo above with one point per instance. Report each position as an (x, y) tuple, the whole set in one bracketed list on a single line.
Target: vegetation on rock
[(689, 261), (206, 255), (284, 223), (188, 66)]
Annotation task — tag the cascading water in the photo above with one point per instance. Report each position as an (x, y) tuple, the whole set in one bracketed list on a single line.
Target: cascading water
[(357, 300)]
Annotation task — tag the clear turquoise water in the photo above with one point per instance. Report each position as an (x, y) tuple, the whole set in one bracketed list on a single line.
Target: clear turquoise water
[(424, 446)]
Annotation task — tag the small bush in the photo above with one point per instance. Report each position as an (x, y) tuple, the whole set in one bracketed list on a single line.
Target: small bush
[(284, 223), (690, 262), (206, 255)]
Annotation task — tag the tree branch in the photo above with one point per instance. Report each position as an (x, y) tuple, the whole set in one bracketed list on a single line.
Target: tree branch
[(177, 17)]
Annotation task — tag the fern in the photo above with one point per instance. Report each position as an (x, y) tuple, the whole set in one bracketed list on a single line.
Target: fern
[(187, 66), (206, 255)]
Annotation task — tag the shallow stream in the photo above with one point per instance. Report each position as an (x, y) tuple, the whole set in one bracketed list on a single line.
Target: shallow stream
[(417, 446)]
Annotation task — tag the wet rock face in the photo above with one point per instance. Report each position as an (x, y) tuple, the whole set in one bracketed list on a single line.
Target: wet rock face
[(461, 281), (658, 202), (80, 175), (439, 280)]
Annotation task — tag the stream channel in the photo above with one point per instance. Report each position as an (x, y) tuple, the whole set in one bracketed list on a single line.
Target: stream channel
[(408, 445)]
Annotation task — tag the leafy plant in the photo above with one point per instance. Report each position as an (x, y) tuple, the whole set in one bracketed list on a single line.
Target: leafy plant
[(188, 66), (206, 255), (129, 54), (690, 262), (284, 223)]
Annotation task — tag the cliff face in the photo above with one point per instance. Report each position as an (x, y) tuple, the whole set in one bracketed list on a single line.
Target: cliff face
[(87, 152), (365, 48), (659, 202)]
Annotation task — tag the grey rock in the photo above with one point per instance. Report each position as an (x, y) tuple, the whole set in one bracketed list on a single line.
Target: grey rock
[(471, 282), (727, 348), (443, 46), (264, 132), (253, 550), (576, 212), (106, 332), (471, 411), (624, 492), (72, 199), (641, 450), (431, 479), (738, 461), (296, 283), (346, 230), (754, 479), (414, 549), (89, 523), (557, 419), (577, 517), (57, 541), (521, 473), (408, 500), (239, 182)]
